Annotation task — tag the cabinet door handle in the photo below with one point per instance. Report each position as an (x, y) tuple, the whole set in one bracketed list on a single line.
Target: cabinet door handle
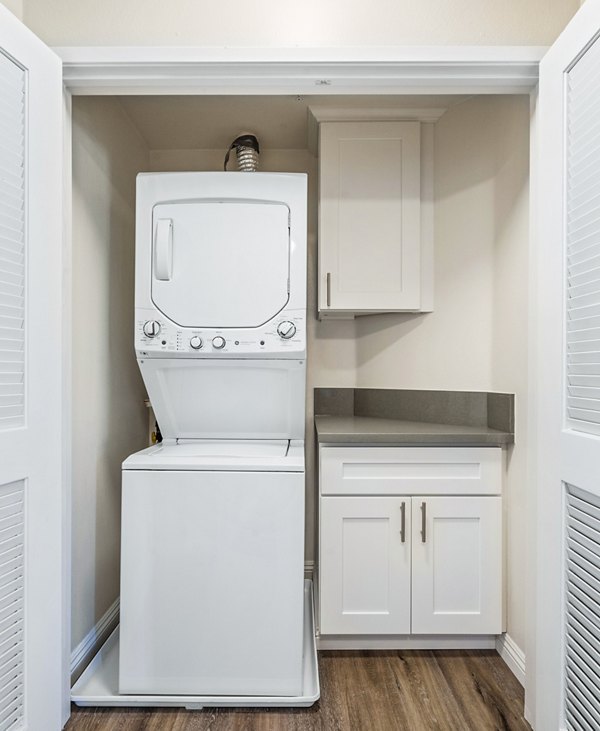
[(328, 289), (423, 522), (403, 523)]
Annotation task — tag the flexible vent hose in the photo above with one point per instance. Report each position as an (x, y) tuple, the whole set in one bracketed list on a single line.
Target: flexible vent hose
[(246, 151)]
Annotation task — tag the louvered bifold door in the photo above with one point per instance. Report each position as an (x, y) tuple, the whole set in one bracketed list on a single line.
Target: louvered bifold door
[(33, 589), (12, 243), (582, 650), (583, 243)]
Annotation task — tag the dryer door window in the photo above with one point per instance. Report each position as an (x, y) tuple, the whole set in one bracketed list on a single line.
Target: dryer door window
[(220, 263)]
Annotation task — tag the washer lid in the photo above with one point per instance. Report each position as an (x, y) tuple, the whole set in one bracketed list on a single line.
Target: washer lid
[(216, 455), (220, 263)]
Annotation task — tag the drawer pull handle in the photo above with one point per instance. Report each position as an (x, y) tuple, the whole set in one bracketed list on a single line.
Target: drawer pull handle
[(424, 522), (328, 289), (403, 523)]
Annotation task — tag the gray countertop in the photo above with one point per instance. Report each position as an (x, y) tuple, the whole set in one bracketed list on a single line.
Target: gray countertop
[(397, 432)]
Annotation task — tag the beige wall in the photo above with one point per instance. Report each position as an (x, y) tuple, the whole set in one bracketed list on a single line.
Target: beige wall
[(109, 416), (476, 339), (15, 7), (289, 22)]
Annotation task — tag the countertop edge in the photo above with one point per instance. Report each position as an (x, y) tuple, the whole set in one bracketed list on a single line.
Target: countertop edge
[(371, 436)]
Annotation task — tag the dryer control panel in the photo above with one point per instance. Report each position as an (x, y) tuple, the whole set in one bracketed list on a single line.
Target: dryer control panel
[(282, 337)]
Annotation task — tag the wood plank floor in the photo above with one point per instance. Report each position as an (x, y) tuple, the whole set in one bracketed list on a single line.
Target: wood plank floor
[(458, 690)]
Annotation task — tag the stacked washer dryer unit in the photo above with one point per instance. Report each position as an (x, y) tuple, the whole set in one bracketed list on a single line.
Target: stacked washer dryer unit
[(212, 575)]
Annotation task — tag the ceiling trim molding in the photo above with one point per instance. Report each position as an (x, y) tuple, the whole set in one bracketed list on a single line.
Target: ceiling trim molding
[(382, 70)]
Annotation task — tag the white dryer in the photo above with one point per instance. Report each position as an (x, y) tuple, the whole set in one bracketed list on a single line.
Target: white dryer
[(212, 577)]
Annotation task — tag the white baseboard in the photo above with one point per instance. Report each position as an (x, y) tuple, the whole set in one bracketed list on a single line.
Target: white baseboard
[(512, 655), (94, 640), (406, 642)]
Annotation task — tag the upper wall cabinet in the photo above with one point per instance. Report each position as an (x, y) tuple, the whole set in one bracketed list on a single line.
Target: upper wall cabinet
[(374, 217)]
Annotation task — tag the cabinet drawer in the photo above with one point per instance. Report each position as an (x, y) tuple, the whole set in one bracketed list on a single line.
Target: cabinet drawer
[(410, 470)]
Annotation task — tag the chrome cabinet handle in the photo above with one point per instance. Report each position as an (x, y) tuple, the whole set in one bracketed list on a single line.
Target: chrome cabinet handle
[(328, 289), (423, 522), (403, 523)]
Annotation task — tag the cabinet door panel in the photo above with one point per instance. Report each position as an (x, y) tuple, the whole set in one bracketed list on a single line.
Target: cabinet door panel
[(369, 220), (365, 566), (457, 565)]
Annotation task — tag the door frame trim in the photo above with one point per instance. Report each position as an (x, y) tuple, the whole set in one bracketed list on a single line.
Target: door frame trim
[(415, 70), (353, 70)]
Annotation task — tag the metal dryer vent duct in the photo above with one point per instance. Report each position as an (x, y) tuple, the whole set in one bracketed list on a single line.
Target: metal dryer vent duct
[(246, 151)]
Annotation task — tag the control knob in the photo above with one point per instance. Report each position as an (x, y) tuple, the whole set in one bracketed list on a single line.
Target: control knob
[(151, 328), (218, 342), (196, 342), (286, 329)]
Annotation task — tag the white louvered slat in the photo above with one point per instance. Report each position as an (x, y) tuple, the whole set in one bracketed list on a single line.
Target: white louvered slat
[(11, 323), (11, 256), (582, 625), (14, 263), (591, 336), (585, 108), (584, 296), (12, 549), (12, 210), (582, 346), (580, 201), (10, 136), (576, 280), (9, 246), (586, 176), (10, 671), (12, 244), (12, 721), (579, 320), (577, 256), (581, 172), (587, 356), (583, 202)]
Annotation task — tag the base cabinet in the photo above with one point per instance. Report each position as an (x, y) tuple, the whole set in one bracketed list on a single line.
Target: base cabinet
[(410, 564)]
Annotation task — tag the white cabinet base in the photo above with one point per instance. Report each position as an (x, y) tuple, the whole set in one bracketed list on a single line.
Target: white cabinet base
[(410, 547)]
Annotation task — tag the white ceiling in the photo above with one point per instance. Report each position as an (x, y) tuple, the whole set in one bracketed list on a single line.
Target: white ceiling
[(212, 122)]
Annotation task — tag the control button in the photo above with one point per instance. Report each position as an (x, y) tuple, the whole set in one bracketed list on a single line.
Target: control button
[(151, 328), (196, 342), (218, 342), (286, 329)]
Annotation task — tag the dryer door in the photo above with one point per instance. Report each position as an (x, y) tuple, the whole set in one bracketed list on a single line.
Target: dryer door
[(220, 263)]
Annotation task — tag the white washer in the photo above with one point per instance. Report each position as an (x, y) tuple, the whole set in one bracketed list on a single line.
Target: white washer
[(212, 575)]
